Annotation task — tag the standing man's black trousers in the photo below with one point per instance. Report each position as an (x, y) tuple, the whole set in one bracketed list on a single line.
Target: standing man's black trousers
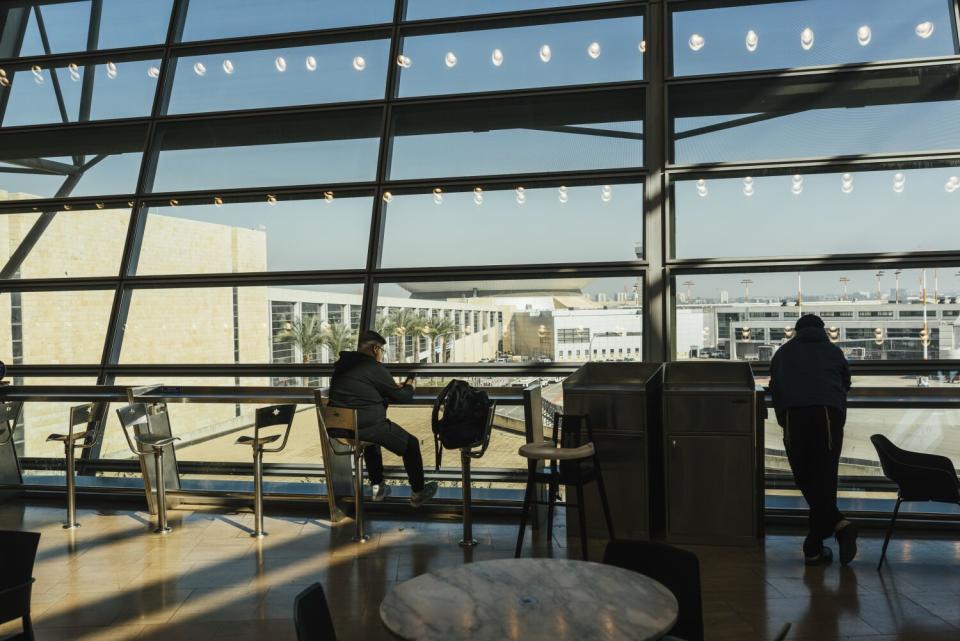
[(813, 437)]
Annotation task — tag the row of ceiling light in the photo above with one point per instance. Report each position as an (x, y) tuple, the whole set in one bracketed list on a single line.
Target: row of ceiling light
[(520, 195), (697, 42), (846, 184)]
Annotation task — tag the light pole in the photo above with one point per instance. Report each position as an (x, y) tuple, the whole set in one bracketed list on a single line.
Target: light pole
[(689, 285), (897, 274), (843, 284), (879, 276), (746, 282)]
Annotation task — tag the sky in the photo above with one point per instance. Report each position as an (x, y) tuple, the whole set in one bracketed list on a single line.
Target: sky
[(821, 219)]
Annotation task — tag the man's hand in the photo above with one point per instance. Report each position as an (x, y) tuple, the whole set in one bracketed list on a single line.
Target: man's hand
[(411, 381)]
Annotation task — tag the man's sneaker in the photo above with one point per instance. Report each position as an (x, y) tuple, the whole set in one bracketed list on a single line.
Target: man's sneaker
[(847, 541), (380, 492), (419, 498), (824, 558)]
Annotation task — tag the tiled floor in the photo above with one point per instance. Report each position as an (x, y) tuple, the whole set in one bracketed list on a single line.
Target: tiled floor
[(208, 580)]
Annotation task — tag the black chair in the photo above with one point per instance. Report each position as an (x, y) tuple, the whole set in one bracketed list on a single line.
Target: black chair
[(919, 477), (573, 461), (678, 570), (17, 553), (311, 616)]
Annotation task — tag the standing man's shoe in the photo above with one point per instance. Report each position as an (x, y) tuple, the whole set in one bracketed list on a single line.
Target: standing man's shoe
[(419, 498), (847, 540), (824, 558)]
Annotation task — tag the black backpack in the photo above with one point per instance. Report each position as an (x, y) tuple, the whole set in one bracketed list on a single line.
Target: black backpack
[(459, 417)]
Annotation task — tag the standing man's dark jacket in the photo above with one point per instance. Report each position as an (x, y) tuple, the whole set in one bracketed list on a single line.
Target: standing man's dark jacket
[(359, 382), (809, 370)]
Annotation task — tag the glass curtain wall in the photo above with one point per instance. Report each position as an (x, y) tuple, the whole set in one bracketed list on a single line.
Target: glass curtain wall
[(213, 191)]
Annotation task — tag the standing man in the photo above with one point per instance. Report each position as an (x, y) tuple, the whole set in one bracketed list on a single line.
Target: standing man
[(809, 381), (361, 382)]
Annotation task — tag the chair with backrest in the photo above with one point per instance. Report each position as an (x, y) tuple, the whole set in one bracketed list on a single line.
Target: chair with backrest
[(574, 461), (919, 477), (311, 615), (89, 416), (134, 418), (678, 570), (340, 425), (266, 417), (18, 550)]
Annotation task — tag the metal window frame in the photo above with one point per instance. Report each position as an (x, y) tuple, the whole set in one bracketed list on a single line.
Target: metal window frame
[(658, 266)]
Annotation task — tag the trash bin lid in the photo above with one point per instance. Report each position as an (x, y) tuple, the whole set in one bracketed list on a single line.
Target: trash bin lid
[(619, 376)]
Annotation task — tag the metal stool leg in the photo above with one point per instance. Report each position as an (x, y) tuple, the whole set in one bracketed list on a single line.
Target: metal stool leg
[(582, 516), (528, 497), (162, 527), (467, 541), (258, 493), (71, 488), (360, 536)]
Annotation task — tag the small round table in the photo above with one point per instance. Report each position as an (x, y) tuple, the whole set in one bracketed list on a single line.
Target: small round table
[(530, 600)]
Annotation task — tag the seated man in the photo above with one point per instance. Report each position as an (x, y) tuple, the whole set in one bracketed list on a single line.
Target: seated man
[(361, 382)]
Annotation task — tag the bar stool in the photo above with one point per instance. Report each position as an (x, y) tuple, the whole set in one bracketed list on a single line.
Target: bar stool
[(266, 417), (135, 417), (88, 414), (340, 424), (567, 456)]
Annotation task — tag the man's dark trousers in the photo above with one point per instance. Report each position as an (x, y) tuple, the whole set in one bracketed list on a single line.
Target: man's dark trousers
[(400, 442), (813, 438)]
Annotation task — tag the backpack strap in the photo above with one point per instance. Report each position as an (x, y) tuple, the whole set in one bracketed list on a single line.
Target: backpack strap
[(435, 424)]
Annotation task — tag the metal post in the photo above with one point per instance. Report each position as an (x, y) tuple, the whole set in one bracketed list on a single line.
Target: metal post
[(467, 541), (359, 536), (258, 493), (71, 489), (162, 527)]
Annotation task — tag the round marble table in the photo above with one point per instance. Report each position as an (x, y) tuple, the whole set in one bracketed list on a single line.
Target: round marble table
[(530, 600)]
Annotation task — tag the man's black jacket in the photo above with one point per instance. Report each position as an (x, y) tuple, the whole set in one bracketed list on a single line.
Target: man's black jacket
[(359, 382), (809, 370)]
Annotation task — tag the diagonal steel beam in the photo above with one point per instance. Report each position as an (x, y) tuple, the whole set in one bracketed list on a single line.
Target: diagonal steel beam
[(44, 165), (591, 131), (30, 240), (55, 80)]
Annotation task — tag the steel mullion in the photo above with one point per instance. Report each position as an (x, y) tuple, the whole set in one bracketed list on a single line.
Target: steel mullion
[(777, 265), (368, 304), (81, 58), (121, 300)]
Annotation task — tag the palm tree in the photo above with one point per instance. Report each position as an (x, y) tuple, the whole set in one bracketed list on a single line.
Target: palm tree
[(439, 329), (306, 334), (403, 322), (339, 337)]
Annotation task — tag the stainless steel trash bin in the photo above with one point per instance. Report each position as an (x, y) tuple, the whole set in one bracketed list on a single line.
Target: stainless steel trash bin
[(713, 453), (615, 397)]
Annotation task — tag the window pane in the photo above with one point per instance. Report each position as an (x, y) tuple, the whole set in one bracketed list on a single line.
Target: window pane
[(277, 234), (122, 23), (120, 90), (423, 9), (590, 223), (279, 77), (816, 214), (295, 149), (208, 19), (224, 325), (566, 53), (877, 112), (54, 328), (601, 130), (510, 320), (815, 32), (74, 243), (871, 315), (74, 161)]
